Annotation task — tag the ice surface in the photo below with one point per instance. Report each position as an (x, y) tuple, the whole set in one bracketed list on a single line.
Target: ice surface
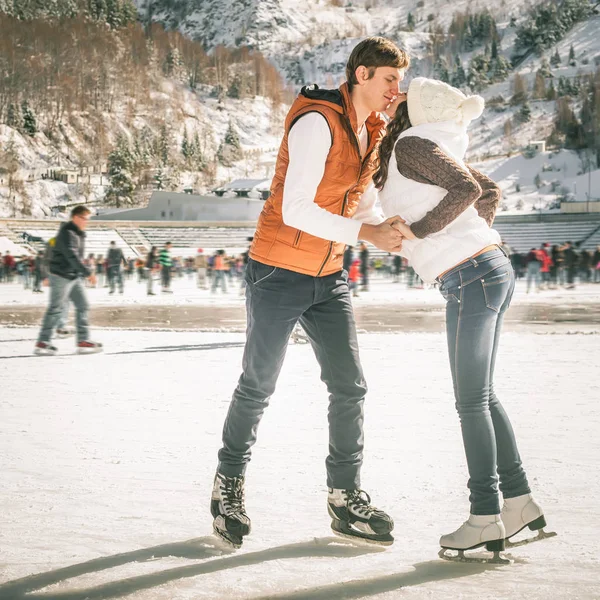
[(110, 458)]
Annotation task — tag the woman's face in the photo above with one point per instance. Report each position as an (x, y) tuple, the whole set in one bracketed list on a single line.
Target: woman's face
[(390, 111)]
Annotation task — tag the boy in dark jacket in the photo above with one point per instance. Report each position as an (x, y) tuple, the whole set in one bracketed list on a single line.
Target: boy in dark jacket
[(67, 273)]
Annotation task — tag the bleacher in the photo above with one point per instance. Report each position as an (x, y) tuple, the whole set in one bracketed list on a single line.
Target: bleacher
[(212, 238), (97, 240), (135, 239), (521, 237)]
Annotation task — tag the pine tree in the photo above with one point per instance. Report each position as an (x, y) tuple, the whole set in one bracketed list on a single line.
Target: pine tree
[(230, 149), (545, 68), (198, 159), (186, 148), (459, 77), (13, 117), (525, 113), (572, 61), (410, 22), (163, 145), (555, 60), (162, 180), (120, 163), (234, 90), (550, 91), (494, 53), (29, 122)]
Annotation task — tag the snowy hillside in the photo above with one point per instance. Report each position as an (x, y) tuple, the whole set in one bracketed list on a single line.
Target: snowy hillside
[(310, 42)]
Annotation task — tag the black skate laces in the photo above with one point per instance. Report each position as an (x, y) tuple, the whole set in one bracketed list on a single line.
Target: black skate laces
[(233, 489), (360, 501)]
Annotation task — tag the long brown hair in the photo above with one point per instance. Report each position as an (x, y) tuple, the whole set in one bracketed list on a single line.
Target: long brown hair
[(400, 122)]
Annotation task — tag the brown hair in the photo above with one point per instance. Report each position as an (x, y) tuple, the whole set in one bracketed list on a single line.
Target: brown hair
[(400, 122), (375, 52), (80, 210)]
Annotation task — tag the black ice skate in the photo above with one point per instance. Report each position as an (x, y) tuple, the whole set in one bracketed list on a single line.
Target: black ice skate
[(354, 517), (231, 523)]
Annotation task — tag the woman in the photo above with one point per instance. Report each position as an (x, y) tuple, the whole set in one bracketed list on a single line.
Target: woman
[(448, 209)]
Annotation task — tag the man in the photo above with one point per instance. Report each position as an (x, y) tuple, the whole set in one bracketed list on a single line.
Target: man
[(164, 259), (114, 260), (201, 265), (326, 161), (67, 274)]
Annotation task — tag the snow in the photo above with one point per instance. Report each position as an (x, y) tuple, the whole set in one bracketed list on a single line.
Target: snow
[(110, 459)]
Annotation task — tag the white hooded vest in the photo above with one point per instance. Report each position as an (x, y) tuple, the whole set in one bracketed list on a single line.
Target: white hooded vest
[(465, 236)]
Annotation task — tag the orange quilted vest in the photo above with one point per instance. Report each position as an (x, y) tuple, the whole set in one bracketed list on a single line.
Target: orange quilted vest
[(345, 179)]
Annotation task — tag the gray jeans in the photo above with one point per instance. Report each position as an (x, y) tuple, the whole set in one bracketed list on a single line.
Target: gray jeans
[(478, 293), (276, 299), (63, 291)]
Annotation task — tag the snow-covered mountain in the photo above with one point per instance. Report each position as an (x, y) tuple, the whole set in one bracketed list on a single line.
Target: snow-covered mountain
[(309, 41)]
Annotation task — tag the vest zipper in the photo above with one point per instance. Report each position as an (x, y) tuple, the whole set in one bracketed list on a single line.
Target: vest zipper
[(362, 163), (297, 240)]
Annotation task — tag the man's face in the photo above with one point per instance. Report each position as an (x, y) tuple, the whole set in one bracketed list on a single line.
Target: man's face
[(381, 90), (81, 221)]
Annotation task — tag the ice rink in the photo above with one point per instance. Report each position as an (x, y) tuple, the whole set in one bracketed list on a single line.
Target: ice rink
[(107, 463)]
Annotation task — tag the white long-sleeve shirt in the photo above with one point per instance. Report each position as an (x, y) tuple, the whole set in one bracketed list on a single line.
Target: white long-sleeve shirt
[(309, 142)]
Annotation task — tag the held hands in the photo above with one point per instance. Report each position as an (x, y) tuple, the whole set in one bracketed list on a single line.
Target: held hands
[(401, 226), (386, 235)]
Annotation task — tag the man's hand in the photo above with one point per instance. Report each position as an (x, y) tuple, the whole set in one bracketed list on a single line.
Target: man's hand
[(385, 236), (401, 226)]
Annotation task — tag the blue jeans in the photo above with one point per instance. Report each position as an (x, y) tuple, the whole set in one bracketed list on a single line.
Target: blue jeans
[(534, 275), (61, 292), (276, 299), (478, 293), (219, 278)]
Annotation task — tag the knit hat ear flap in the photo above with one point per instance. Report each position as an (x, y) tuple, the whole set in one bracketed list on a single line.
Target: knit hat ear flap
[(472, 108)]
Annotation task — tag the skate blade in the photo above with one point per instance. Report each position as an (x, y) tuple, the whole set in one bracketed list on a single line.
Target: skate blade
[(496, 559), (542, 535), (360, 538), (89, 350), (227, 539), (39, 352)]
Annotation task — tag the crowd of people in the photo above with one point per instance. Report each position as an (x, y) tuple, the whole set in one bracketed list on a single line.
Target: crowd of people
[(214, 271), (546, 267)]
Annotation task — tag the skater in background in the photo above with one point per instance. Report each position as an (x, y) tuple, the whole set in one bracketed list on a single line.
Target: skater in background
[(152, 265), (166, 264), (449, 208), (219, 272), (534, 262), (114, 260), (354, 277), (38, 272), (319, 203), (67, 275)]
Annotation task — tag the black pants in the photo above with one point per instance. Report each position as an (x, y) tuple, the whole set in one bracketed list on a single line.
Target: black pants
[(276, 299), (166, 277)]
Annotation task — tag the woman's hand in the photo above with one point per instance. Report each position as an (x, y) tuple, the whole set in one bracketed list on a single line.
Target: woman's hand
[(401, 226)]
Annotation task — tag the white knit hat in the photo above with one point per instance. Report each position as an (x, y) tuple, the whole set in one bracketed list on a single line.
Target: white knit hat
[(432, 101)]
